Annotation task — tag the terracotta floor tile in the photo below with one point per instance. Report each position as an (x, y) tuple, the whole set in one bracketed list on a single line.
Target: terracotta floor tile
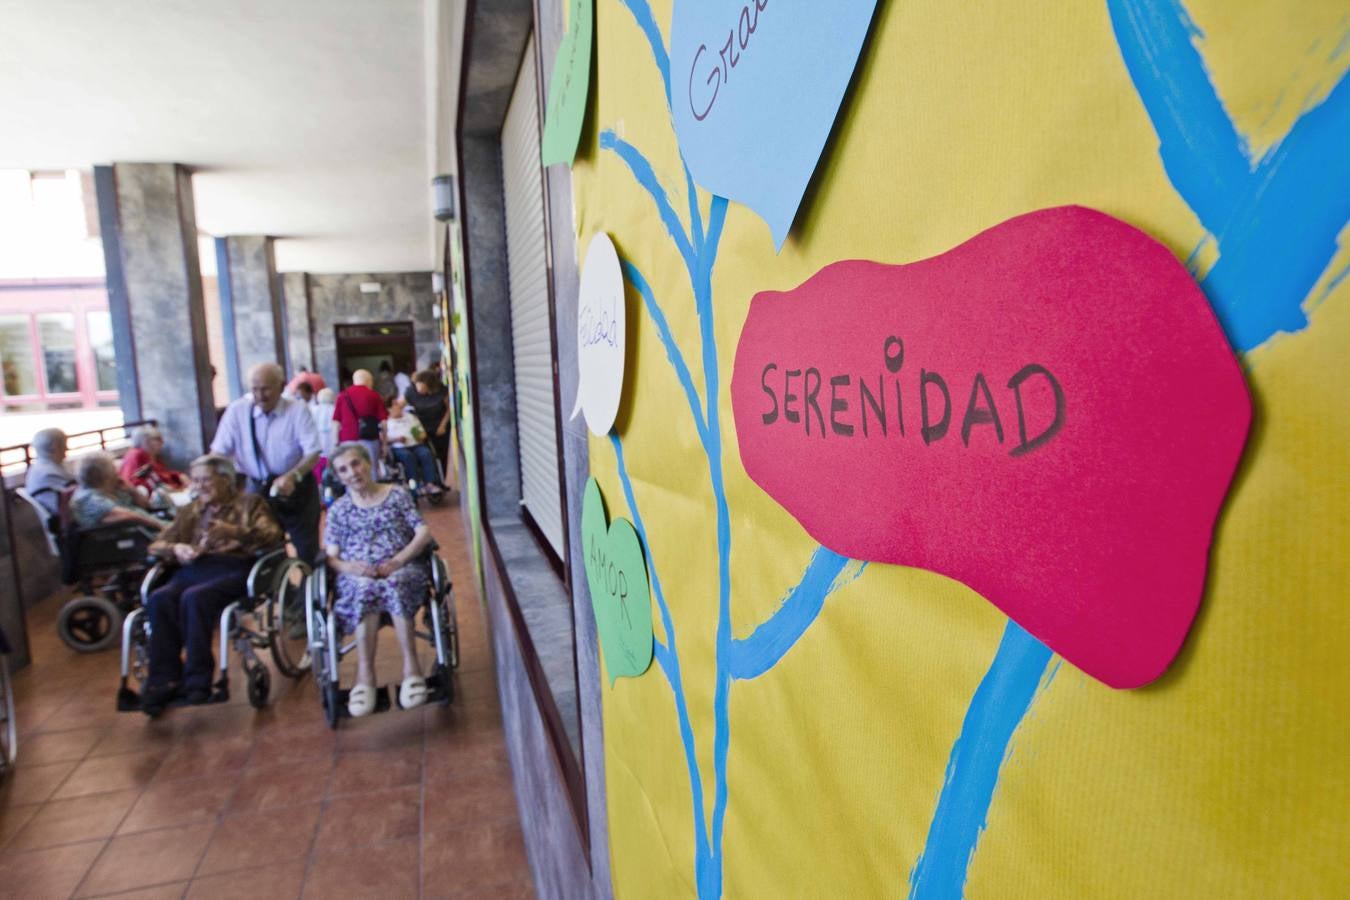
[(172, 891), (280, 743), (83, 716), (193, 759), (474, 796), (32, 784), (178, 802), (473, 857), (388, 871), (110, 773), (395, 730), (53, 872), (264, 837), (13, 819), (62, 746), (451, 757), (375, 770), (135, 734), (145, 860), (368, 819), (281, 881), (75, 820), (272, 787), (521, 888)]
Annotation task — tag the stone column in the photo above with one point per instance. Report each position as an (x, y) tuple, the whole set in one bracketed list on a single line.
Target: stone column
[(250, 306), (299, 337), (11, 600), (158, 314)]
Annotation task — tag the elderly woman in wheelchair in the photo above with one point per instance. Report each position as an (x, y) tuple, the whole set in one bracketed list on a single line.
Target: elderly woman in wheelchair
[(376, 543), (103, 499), (215, 542)]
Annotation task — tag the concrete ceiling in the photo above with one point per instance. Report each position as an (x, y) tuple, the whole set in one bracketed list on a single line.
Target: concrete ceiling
[(307, 120)]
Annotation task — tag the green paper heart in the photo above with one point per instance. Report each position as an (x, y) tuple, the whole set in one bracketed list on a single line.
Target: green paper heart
[(569, 87), (616, 571)]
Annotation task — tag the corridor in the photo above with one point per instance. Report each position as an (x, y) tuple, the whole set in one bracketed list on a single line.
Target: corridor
[(223, 801)]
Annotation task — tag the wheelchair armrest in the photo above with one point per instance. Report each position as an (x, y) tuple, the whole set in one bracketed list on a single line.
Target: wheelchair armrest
[(158, 572), (262, 564)]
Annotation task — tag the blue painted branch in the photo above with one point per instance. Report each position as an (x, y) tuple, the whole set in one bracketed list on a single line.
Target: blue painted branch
[(756, 654), (997, 708), (1201, 150), (647, 180), (639, 283), (668, 658), (642, 14)]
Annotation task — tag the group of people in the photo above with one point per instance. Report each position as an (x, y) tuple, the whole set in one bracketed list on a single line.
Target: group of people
[(257, 487)]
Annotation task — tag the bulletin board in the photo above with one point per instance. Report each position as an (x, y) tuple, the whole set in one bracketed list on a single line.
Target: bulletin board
[(815, 725)]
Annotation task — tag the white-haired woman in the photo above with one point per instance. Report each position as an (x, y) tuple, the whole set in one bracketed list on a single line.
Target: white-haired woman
[(373, 540), (143, 468), (102, 498), (214, 541)]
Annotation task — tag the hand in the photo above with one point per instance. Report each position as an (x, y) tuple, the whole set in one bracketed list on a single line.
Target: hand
[(387, 567), (284, 485), (184, 553), (365, 570), (442, 429)]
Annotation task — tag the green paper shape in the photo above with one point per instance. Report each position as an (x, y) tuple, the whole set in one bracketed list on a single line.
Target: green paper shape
[(569, 87), (616, 570)]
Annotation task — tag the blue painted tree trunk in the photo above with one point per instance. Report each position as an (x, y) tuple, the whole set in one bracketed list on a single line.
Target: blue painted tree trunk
[(997, 708)]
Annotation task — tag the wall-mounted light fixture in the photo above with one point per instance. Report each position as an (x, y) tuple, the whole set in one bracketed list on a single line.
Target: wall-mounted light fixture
[(443, 191)]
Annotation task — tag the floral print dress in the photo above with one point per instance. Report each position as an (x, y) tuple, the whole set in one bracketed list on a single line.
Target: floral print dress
[(373, 535)]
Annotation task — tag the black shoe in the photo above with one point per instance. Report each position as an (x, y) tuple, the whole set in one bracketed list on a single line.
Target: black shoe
[(198, 696), (155, 699)]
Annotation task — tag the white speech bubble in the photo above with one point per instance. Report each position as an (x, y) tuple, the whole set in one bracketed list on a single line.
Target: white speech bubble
[(600, 336)]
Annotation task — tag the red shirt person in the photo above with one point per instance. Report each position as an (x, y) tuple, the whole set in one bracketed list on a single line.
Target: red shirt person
[(360, 401), (142, 467)]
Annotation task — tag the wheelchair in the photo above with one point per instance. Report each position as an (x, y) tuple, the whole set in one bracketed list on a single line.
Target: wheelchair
[(263, 619), (400, 475), (326, 647), (9, 733), (107, 563)]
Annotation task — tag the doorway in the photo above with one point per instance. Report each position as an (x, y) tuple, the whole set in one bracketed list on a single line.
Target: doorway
[(371, 344)]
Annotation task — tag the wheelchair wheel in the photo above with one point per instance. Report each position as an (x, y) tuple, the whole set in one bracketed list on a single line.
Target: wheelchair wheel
[(332, 704), (89, 624), (289, 637), (9, 734), (324, 677), (259, 686)]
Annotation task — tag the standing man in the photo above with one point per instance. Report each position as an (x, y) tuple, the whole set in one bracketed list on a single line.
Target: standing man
[(360, 414), (272, 440)]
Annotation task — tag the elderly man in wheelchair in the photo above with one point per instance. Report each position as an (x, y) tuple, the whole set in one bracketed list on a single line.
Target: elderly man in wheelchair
[(215, 543), (383, 556)]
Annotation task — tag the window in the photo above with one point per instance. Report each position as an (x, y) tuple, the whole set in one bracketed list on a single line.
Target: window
[(56, 336), (99, 323), (16, 357), (531, 325)]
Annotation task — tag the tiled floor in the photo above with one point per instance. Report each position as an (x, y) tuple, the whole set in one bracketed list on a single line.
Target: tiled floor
[(223, 801)]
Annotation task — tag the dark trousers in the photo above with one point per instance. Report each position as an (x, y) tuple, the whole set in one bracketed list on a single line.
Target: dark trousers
[(418, 462), (301, 518), (184, 613)]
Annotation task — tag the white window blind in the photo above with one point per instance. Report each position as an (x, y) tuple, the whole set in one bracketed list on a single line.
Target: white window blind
[(530, 332)]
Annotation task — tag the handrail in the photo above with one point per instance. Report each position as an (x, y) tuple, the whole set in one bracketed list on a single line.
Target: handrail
[(19, 457)]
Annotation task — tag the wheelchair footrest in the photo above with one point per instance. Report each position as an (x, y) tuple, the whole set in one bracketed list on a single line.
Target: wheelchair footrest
[(130, 701)]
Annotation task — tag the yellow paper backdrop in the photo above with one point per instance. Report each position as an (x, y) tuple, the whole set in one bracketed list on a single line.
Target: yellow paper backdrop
[(1228, 777)]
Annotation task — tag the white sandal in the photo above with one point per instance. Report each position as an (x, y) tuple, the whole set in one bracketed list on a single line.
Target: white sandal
[(413, 692), (361, 701)]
